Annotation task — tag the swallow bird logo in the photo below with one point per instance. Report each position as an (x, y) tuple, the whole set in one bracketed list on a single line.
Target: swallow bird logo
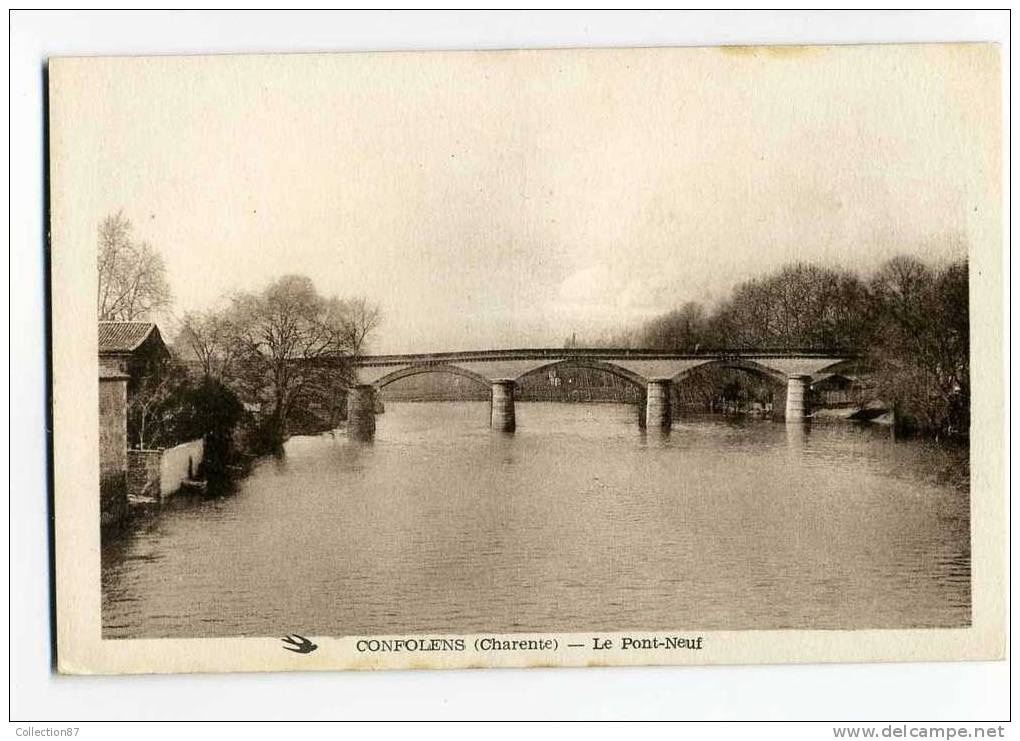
[(298, 644)]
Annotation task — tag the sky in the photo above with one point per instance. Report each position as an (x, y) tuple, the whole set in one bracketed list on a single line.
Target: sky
[(511, 199)]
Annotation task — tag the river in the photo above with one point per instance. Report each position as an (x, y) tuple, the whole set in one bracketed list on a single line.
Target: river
[(578, 521)]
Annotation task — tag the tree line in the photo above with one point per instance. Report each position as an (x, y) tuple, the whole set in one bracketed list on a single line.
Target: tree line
[(281, 353), (909, 320)]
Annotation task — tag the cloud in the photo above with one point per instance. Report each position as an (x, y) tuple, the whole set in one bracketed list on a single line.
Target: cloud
[(587, 287), (600, 297)]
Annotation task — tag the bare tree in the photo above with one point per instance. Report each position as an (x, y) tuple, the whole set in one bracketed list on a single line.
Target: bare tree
[(132, 276), (293, 348), (149, 408), (206, 338), (799, 306), (683, 329), (359, 318)]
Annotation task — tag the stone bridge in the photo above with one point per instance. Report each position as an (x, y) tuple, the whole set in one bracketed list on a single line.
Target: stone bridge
[(652, 371)]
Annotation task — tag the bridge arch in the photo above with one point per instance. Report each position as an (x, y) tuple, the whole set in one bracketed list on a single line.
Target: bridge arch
[(743, 364), (414, 370), (607, 367), (848, 365)]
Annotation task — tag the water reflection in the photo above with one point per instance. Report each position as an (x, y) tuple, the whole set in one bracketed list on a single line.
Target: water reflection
[(578, 520), (796, 435)]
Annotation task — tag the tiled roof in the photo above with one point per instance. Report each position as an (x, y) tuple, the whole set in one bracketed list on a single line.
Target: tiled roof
[(123, 336)]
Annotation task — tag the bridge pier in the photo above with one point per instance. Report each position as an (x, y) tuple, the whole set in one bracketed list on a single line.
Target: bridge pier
[(503, 417), (657, 411), (361, 412), (798, 405)]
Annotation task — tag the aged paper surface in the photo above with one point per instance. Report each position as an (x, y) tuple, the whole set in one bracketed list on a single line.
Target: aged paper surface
[(543, 358)]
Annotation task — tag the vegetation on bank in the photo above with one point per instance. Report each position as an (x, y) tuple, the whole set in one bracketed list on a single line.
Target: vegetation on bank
[(909, 319), (285, 351), (240, 376), (175, 405)]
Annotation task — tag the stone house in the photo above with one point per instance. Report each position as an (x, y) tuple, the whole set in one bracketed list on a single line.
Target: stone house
[(113, 500), (128, 351), (129, 354), (135, 349)]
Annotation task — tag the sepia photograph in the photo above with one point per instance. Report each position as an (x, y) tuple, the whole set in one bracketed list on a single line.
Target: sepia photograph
[(566, 357)]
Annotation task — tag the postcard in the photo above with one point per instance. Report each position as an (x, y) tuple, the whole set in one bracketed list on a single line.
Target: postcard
[(527, 358)]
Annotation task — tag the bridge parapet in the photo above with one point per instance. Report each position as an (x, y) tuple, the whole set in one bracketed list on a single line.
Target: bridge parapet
[(602, 353), (637, 366)]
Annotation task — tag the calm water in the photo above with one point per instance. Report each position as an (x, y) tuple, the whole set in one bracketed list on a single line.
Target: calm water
[(578, 521)]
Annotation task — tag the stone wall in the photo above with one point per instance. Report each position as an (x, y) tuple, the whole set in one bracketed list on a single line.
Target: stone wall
[(178, 464), (113, 500), (155, 475), (143, 475), (112, 425), (113, 497)]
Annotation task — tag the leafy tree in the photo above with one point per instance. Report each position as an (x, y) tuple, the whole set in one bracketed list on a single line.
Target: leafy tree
[(171, 406), (209, 410), (920, 350), (293, 348)]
